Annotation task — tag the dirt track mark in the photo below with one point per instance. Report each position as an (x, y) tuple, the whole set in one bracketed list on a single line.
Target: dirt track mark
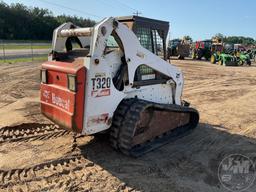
[(31, 131), (46, 170), (68, 173), (187, 165)]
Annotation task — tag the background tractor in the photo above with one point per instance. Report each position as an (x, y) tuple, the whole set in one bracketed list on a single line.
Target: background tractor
[(252, 53), (221, 55), (243, 58), (179, 48), (202, 49), (217, 49), (223, 59), (242, 55)]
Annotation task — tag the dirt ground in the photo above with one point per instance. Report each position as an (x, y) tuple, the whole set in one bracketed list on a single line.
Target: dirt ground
[(224, 96)]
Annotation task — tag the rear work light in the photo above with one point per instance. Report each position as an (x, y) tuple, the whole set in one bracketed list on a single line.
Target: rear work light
[(43, 75), (72, 82)]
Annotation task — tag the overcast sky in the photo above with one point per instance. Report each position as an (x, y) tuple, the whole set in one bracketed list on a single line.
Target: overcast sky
[(200, 19)]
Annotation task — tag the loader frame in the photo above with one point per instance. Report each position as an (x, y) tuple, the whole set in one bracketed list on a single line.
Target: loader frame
[(100, 104)]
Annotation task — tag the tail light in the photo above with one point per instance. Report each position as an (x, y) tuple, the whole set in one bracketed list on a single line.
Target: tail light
[(43, 76), (72, 82)]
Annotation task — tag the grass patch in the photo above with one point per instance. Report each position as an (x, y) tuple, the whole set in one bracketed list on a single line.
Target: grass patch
[(19, 60), (21, 46)]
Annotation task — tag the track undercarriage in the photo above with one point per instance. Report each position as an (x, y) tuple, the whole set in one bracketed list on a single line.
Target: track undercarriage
[(140, 126)]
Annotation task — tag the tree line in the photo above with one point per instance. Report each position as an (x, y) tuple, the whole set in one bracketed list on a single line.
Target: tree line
[(19, 22), (236, 39), (230, 39)]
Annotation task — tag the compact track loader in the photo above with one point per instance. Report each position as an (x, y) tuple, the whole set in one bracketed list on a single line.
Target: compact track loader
[(101, 79)]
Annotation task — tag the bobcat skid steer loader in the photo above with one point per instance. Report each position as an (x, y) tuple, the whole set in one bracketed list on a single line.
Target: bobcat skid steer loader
[(101, 78)]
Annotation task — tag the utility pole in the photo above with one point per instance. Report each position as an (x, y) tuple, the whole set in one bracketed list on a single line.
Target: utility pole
[(137, 13), (32, 52), (3, 50)]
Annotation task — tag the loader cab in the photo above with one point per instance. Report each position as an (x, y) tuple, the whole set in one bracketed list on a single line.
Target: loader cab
[(235, 49), (174, 43), (151, 33), (239, 48), (229, 47), (217, 47), (206, 44), (202, 49)]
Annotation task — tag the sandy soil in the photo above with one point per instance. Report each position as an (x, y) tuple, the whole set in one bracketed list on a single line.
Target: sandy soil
[(224, 96)]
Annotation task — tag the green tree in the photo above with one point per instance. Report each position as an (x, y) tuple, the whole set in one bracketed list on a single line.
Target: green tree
[(188, 38), (19, 22), (219, 36), (236, 39)]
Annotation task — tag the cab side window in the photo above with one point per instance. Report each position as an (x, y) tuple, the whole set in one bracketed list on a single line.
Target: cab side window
[(145, 75)]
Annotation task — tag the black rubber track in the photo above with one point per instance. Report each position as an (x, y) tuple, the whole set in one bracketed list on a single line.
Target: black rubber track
[(118, 119), (127, 115)]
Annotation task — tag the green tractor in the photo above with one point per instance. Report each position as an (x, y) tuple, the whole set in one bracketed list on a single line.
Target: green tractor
[(221, 55), (202, 49), (252, 54), (243, 57), (223, 59)]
